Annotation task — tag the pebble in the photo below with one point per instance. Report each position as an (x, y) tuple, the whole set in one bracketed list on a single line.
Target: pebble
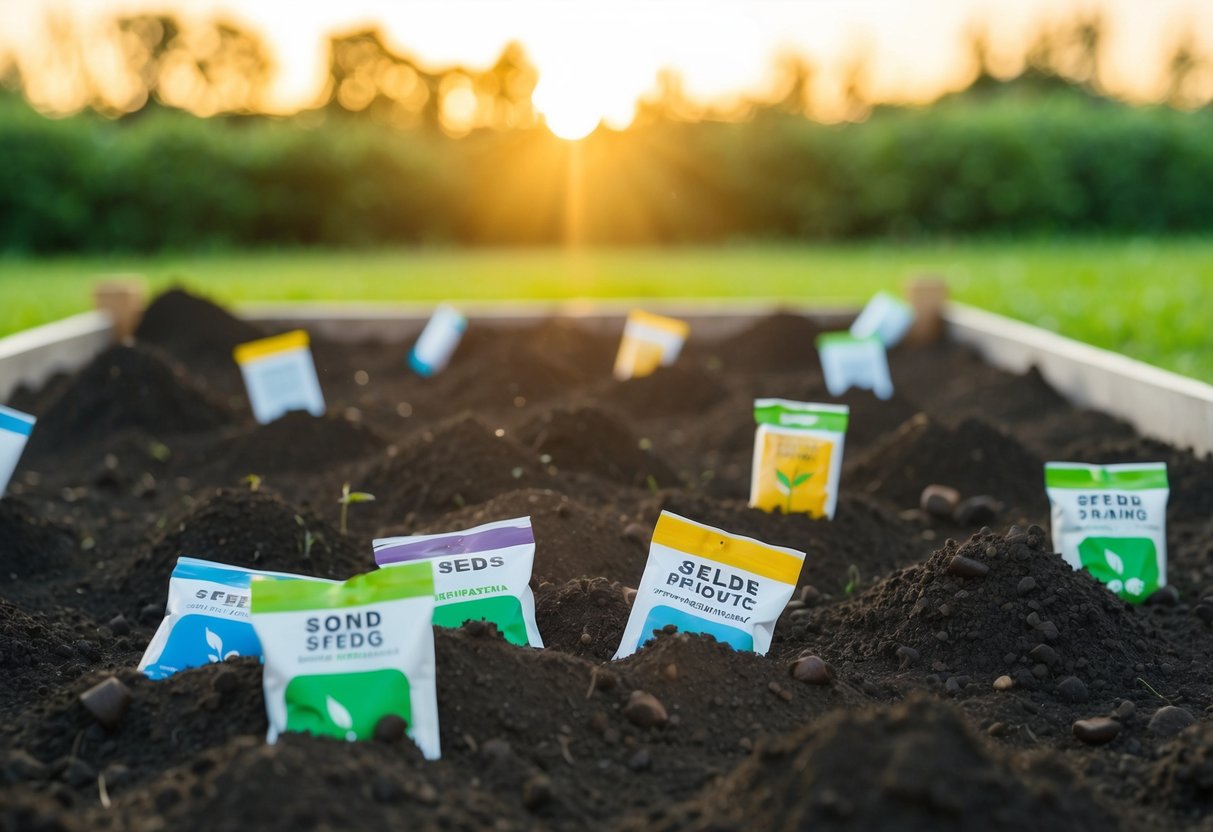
[(1164, 595), (976, 511), (1033, 619), (906, 657), (939, 500), (642, 760), (119, 626), (812, 670), (536, 791), (637, 533), (151, 612), (1003, 683), (1096, 730), (671, 672), (586, 639), (1169, 721), (1046, 654), (78, 773), (107, 701), (1025, 585), (1125, 710), (1072, 689), (1049, 630), (390, 728), (997, 729), (645, 710), (809, 595)]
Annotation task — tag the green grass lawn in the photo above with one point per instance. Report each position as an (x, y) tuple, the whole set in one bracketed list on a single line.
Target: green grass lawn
[(1150, 299)]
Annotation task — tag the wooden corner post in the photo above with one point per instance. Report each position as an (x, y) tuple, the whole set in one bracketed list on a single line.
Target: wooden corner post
[(928, 294), (123, 298)]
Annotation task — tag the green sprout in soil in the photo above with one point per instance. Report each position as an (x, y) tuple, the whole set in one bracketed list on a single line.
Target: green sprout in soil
[(853, 580), (253, 481), (1150, 688), (348, 497), (788, 485)]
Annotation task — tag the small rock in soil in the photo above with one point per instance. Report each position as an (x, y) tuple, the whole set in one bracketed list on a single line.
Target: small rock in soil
[(536, 791), (637, 533), (967, 567), (976, 511), (1125, 710), (1164, 596), (107, 701), (1026, 585), (1045, 654), (1169, 721), (939, 500), (78, 773), (645, 710), (119, 626), (1003, 683), (906, 657), (390, 728), (642, 760), (1097, 730), (1072, 689), (812, 670)]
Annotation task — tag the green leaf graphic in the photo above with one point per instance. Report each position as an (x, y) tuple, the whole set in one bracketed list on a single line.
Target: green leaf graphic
[(1128, 565), (783, 479), (802, 479)]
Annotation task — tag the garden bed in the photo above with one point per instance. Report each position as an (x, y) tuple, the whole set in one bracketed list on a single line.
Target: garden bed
[(140, 455)]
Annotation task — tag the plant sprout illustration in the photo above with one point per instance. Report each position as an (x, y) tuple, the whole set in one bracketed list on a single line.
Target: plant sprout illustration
[(787, 485), (340, 717), (348, 497), (216, 643), (1112, 572)]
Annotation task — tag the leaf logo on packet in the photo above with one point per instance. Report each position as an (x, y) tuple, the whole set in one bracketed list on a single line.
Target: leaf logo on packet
[(207, 618), (703, 580), (479, 574), (649, 341), (849, 362), (340, 657), (15, 429), (280, 376), (797, 456), (438, 341), (1112, 521)]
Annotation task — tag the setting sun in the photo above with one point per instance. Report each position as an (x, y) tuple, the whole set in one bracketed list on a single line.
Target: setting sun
[(566, 108)]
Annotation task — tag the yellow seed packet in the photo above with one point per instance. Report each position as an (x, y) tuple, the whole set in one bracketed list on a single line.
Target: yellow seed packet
[(797, 456), (649, 341)]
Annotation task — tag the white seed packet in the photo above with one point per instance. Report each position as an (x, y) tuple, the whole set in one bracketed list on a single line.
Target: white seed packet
[(649, 341), (849, 362), (207, 617), (15, 428), (1112, 521), (701, 579), (437, 341), (480, 574), (280, 376), (885, 317), (339, 658)]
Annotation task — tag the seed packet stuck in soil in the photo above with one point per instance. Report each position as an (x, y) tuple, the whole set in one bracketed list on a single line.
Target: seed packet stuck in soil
[(1112, 521), (280, 376), (341, 658), (207, 618), (437, 341), (797, 456), (649, 341), (15, 428), (479, 574), (886, 317), (700, 579), (847, 362)]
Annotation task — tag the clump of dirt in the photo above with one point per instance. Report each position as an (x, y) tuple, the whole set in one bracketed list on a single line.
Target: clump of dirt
[(670, 391), (31, 545), (592, 440), (571, 538), (974, 458), (126, 388), (1030, 616), (916, 765), (297, 443), (457, 463), (257, 530), (584, 616)]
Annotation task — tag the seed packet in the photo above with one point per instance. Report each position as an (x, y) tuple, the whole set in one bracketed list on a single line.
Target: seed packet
[(15, 428), (849, 362), (280, 376), (1112, 521), (797, 456), (649, 341), (886, 317), (479, 574), (437, 341), (700, 579), (341, 657), (207, 618)]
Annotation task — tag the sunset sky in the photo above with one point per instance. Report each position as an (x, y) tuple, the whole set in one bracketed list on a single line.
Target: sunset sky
[(596, 57)]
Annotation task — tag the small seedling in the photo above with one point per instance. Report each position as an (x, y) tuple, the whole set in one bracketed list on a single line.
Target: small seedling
[(253, 481), (853, 580), (159, 451), (348, 497), (309, 540), (1150, 688), (787, 485), (651, 482)]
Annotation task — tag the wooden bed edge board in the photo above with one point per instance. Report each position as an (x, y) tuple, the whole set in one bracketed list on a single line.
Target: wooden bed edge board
[(1158, 403), (33, 355)]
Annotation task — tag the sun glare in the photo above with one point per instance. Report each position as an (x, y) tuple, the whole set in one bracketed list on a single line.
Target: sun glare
[(568, 110)]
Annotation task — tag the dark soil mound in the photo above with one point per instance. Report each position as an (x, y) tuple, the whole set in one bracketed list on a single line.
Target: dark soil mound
[(776, 343), (584, 616), (257, 530), (1031, 617), (914, 766), (125, 388), (571, 539), (974, 458), (30, 545), (1182, 777), (507, 374), (671, 391), (457, 463), (199, 334), (590, 354), (297, 443), (862, 534), (591, 440)]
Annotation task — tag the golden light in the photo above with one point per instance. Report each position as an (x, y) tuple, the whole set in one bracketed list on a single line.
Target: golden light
[(568, 109)]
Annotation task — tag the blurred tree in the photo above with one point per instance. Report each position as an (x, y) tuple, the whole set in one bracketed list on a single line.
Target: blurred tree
[(1187, 68), (793, 85)]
